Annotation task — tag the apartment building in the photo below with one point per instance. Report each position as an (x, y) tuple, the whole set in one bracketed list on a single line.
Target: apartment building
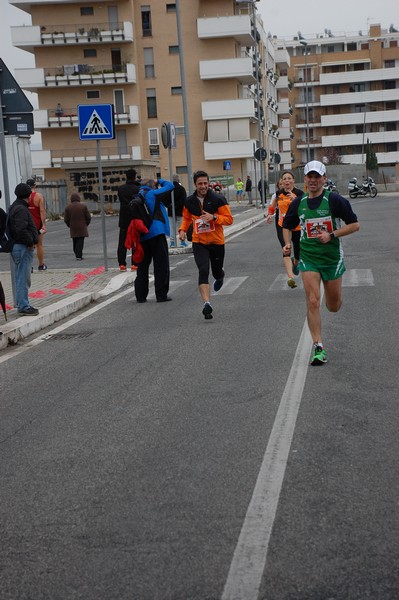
[(344, 93), (126, 53)]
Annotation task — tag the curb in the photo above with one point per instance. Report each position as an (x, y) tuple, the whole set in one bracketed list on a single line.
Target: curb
[(13, 332)]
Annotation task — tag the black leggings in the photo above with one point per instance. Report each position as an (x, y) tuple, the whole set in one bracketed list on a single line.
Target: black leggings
[(204, 255), (296, 236)]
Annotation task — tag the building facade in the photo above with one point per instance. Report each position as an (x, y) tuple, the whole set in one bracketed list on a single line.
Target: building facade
[(344, 94), (127, 53)]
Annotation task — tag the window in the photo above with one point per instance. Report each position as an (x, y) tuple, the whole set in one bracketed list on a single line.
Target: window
[(390, 105), (389, 64), (330, 49), (153, 136), (336, 89), (176, 91), (149, 70), (173, 49), (86, 11), (390, 126), (171, 7), (89, 53), (146, 21), (389, 85), (151, 103), (359, 87), (391, 147), (352, 46), (92, 94), (359, 108)]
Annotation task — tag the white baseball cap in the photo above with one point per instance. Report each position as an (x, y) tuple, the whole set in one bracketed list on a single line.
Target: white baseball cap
[(315, 165)]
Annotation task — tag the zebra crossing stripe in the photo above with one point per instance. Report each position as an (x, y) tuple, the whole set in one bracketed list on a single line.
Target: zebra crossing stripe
[(351, 278), (230, 285)]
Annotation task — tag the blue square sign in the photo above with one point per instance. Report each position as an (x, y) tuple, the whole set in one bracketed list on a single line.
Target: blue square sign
[(96, 121)]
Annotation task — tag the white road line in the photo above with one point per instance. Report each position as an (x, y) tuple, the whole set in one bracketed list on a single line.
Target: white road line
[(230, 285), (357, 277), (249, 559)]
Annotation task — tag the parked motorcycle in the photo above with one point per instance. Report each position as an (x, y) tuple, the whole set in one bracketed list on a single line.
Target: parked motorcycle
[(366, 189), (330, 185)]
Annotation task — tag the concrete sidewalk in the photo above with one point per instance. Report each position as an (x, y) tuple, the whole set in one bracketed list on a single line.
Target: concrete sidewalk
[(58, 293)]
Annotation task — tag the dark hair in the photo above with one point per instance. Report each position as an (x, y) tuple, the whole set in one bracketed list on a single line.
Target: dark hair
[(200, 174), (131, 174), (31, 182)]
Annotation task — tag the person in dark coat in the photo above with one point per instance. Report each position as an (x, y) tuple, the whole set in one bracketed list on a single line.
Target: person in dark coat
[(26, 236), (77, 218), (180, 196), (126, 193)]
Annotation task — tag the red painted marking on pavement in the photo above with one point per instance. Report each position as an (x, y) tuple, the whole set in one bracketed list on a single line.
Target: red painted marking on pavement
[(8, 307), (38, 294), (77, 281), (97, 271), (55, 291)]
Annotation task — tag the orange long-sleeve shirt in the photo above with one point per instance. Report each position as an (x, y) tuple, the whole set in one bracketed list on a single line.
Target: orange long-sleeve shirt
[(223, 217)]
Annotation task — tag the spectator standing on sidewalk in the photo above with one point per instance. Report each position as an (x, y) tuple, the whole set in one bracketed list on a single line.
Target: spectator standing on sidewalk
[(180, 196), (37, 209), (26, 236), (77, 218), (208, 213), (239, 189), (154, 243), (248, 189), (126, 193)]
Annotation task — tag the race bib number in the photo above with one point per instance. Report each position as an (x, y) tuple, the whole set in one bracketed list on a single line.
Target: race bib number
[(201, 226), (318, 225)]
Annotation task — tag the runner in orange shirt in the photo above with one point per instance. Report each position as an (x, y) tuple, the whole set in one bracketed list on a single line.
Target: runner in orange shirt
[(207, 212)]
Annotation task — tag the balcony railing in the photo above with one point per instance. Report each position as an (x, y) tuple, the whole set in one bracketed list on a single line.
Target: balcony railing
[(68, 117), (83, 154)]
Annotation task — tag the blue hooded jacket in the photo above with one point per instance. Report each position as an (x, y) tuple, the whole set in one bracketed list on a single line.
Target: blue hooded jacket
[(160, 224)]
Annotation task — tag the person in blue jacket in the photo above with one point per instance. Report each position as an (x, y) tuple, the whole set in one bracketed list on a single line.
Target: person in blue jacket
[(154, 243)]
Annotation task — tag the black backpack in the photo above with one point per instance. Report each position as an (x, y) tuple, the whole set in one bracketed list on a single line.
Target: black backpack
[(139, 209), (6, 240)]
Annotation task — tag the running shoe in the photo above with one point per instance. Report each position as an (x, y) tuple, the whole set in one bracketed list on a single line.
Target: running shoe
[(295, 267), (319, 356), (207, 311), (122, 267), (42, 267), (134, 267), (291, 283), (217, 284)]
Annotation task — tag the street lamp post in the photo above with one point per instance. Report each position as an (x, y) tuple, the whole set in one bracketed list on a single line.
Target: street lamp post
[(305, 44)]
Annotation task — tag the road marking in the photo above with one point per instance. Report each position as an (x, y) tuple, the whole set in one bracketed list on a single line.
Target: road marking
[(357, 277), (351, 278), (249, 559), (230, 285)]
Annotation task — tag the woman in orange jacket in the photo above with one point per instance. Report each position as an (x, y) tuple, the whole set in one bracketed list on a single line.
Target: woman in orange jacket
[(283, 199)]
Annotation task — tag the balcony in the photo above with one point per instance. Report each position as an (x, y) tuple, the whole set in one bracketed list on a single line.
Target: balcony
[(75, 75), (83, 157), (314, 142), (366, 76), (357, 139), (230, 68), (286, 133), (283, 83), (281, 57), (228, 109), (236, 149), (54, 119), (238, 27), (359, 97), (358, 118), (284, 107), (382, 157), (31, 37), (27, 5)]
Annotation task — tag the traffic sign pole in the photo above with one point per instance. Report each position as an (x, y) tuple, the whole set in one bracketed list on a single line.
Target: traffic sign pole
[(101, 192)]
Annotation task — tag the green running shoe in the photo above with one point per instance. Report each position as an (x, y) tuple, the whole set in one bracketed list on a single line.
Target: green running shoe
[(319, 356), (295, 267)]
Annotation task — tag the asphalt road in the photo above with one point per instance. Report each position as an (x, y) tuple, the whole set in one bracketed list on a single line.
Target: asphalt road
[(148, 454)]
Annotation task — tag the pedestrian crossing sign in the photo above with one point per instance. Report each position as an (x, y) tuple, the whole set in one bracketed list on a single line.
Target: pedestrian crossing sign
[(96, 121)]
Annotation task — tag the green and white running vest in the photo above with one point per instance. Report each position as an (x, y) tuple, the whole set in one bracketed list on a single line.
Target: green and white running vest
[(313, 222)]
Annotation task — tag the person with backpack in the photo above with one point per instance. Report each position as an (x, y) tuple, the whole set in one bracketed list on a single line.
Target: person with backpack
[(154, 243), (319, 212), (126, 193), (179, 196), (25, 236)]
